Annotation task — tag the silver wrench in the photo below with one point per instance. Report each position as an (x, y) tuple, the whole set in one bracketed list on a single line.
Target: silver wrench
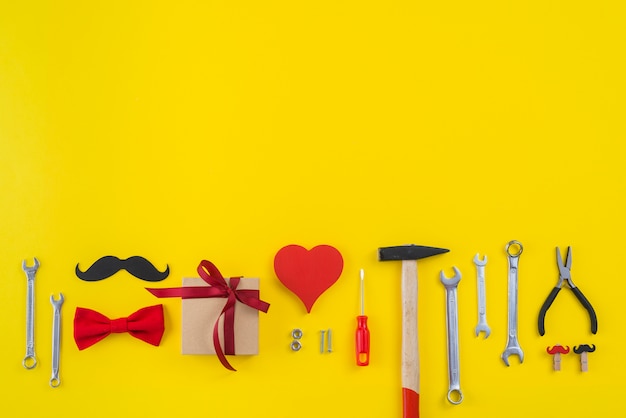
[(56, 339), (452, 320), (512, 343), (30, 361), (482, 297)]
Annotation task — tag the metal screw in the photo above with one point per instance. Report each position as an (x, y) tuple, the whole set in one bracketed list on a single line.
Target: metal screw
[(322, 342), (329, 335)]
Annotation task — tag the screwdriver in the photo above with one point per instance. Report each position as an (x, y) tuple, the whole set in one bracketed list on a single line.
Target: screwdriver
[(362, 334)]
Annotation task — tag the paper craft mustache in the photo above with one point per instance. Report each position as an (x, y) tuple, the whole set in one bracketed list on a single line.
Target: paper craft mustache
[(109, 265)]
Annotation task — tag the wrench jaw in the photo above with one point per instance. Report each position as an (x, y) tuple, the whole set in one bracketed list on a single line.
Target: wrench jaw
[(57, 303), (512, 348), (482, 327), (479, 262), (510, 352), (451, 282), (30, 271)]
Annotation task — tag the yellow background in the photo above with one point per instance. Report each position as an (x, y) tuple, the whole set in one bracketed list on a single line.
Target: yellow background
[(227, 129)]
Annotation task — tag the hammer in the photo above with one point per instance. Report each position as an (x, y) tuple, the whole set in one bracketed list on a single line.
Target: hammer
[(409, 254)]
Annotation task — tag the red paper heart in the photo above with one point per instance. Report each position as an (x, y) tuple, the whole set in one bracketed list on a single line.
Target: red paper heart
[(308, 273)]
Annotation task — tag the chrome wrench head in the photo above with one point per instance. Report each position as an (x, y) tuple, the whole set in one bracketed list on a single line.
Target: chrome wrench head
[(512, 348), (55, 381), (56, 304), (482, 297), (451, 282), (480, 262), (30, 271)]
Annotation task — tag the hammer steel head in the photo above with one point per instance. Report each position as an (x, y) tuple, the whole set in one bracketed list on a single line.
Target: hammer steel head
[(408, 252)]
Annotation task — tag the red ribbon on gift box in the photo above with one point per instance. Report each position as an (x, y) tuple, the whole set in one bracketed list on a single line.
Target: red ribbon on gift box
[(219, 288)]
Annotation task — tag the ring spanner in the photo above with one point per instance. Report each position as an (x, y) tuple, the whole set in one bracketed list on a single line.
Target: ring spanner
[(30, 361), (56, 339), (512, 343), (452, 319)]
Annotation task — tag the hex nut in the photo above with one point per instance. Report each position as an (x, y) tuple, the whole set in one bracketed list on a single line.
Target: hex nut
[(295, 345)]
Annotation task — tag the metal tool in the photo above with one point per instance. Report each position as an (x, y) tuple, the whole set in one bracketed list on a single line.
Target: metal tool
[(512, 342), (455, 395), (322, 341), (565, 276), (362, 333), (30, 361), (409, 254), (329, 340), (55, 381), (482, 297), (583, 349), (556, 351)]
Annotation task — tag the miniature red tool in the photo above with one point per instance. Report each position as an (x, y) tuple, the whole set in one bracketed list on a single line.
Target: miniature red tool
[(308, 273), (362, 334), (556, 351)]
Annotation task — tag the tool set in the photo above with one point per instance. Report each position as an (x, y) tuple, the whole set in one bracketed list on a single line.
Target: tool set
[(308, 274)]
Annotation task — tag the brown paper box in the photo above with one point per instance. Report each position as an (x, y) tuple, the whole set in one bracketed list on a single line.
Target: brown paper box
[(199, 316)]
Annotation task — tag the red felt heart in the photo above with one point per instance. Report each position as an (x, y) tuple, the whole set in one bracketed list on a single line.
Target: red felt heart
[(308, 273)]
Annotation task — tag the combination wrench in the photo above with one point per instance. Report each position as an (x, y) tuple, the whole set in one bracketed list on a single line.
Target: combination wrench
[(482, 297), (455, 395), (30, 361), (512, 343), (56, 339)]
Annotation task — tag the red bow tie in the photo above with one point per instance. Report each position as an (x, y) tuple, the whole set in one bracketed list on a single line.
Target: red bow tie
[(146, 324)]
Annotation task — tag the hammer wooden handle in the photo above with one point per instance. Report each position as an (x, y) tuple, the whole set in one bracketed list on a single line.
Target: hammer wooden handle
[(410, 356)]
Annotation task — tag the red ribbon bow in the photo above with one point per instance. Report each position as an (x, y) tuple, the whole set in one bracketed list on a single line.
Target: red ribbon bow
[(90, 326), (218, 288)]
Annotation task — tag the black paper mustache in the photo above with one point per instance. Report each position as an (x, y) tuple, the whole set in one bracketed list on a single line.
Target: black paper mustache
[(109, 265)]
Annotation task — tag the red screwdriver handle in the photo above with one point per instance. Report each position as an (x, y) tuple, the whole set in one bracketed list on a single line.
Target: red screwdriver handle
[(362, 341)]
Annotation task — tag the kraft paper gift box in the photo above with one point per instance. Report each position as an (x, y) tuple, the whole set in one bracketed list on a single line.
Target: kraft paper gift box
[(199, 316)]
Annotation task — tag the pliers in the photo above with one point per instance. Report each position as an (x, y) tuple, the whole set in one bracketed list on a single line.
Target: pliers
[(565, 275)]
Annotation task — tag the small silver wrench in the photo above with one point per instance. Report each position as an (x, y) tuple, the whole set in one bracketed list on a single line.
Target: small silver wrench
[(30, 361), (56, 339), (452, 320), (512, 343), (482, 297)]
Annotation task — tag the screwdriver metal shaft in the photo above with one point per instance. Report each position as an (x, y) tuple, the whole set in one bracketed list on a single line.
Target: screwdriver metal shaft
[(362, 332)]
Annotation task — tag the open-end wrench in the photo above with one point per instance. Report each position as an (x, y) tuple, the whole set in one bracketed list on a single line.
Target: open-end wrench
[(455, 395), (482, 297), (512, 342), (30, 361), (56, 339)]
